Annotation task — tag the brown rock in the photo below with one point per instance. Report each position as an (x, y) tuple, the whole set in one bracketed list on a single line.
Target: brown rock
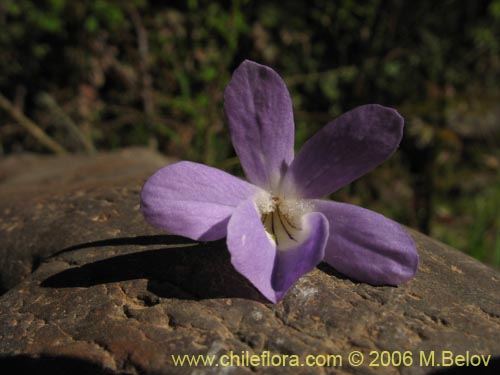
[(112, 295), (48, 203)]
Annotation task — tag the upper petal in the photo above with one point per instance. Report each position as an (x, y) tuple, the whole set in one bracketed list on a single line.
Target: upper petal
[(255, 256), (192, 200), (260, 115), (367, 246), (344, 150)]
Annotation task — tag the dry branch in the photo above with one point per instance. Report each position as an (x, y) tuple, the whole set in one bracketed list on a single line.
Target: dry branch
[(30, 126)]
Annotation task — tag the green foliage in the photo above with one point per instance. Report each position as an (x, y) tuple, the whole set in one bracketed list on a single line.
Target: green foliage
[(145, 72)]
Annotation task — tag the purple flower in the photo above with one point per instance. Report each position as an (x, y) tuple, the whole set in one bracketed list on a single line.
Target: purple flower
[(276, 226)]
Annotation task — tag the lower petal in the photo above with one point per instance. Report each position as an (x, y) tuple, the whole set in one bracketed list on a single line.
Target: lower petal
[(292, 263), (254, 254), (193, 200), (367, 246)]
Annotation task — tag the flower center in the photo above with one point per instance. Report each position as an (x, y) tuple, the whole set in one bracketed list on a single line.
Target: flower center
[(282, 219)]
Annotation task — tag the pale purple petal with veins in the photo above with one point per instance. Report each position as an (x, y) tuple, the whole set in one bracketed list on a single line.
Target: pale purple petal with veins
[(367, 246), (292, 263), (344, 150), (255, 256), (252, 253), (193, 200), (260, 116)]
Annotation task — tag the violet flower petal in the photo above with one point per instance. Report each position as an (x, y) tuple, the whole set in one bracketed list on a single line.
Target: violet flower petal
[(292, 263), (255, 256), (367, 246), (344, 150), (260, 116), (193, 200), (252, 253)]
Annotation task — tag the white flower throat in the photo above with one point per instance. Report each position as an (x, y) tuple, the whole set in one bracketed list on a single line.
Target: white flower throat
[(282, 219)]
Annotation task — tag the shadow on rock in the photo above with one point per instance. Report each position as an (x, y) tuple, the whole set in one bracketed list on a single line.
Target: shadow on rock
[(326, 268), (137, 240), (493, 368), (193, 271), (54, 365)]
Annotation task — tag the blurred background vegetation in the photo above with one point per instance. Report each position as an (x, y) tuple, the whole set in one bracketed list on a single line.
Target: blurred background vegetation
[(99, 75)]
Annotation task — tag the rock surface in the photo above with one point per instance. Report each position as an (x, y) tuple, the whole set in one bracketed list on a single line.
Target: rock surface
[(47, 204), (91, 289)]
